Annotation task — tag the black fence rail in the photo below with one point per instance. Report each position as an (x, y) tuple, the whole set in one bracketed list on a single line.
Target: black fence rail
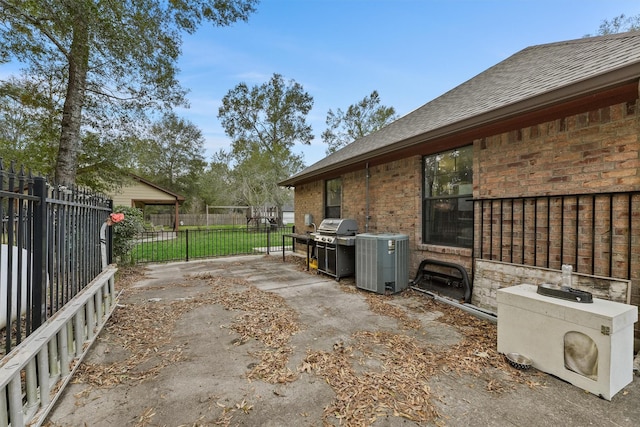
[(73, 220), (597, 234), (50, 249), (189, 244)]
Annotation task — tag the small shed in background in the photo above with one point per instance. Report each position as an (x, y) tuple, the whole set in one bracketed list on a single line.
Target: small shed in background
[(139, 192)]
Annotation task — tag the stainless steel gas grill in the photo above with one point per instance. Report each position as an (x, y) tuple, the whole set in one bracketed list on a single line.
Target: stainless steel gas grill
[(335, 246)]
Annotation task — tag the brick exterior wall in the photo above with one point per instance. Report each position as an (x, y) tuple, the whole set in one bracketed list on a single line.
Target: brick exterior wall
[(309, 199), (593, 152), (597, 151), (394, 197)]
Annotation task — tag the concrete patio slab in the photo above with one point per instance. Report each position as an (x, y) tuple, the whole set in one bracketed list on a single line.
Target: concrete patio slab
[(200, 371)]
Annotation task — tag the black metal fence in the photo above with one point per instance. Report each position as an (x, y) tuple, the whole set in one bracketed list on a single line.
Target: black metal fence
[(50, 242), (189, 244), (598, 234)]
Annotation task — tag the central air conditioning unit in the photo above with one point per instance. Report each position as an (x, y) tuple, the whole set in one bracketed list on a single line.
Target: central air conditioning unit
[(382, 262)]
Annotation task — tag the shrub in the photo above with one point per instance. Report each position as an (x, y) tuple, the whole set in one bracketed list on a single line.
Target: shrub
[(125, 231)]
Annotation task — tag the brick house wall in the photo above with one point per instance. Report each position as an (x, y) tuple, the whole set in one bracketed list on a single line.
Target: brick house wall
[(309, 199), (592, 152), (597, 151), (394, 197)]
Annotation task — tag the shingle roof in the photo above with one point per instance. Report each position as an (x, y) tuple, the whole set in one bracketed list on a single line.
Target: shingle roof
[(530, 79)]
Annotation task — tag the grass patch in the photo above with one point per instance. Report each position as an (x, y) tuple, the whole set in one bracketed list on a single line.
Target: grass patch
[(191, 243)]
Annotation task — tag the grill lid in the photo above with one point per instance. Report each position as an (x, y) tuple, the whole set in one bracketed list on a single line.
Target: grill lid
[(338, 226)]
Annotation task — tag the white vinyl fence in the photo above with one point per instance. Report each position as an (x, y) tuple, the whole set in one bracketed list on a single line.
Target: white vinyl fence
[(35, 373)]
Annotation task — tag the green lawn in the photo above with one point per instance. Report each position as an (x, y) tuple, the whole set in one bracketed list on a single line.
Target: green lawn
[(191, 242)]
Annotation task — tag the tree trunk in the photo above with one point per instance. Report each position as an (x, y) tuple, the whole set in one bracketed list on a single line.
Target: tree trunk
[(78, 57)]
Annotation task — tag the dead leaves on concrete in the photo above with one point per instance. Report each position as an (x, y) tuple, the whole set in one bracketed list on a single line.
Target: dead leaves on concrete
[(146, 418), (381, 374), (395, 385), (143, 331), (265, 317), (375, 374), (477, 352), (142, 334), (378, 305)]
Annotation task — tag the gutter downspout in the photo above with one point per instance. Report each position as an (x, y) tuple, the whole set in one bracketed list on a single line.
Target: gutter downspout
[(367, 217)]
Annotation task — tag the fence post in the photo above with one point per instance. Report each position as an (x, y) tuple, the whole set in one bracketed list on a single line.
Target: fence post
[(110, 237), (268, 237), (186, 245), (38, 307)]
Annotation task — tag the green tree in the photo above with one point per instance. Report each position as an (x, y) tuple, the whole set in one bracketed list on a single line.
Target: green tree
[(172, 155), (29, 123), (264, 122), (216, 183), (30, 112), (103, 159), (619, 24), (121, 54), (359, 120), (255, 181)]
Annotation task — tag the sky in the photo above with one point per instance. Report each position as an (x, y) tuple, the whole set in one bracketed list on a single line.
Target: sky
[(410, 51)]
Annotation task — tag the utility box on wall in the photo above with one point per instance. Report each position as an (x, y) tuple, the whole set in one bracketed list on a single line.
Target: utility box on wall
[(308, 219), (382, 262)]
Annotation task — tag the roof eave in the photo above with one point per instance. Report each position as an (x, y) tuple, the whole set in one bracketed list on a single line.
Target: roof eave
[(178, 197), (562, 95)]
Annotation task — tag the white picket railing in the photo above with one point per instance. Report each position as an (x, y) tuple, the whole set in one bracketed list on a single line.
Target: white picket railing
[(33, 375)]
